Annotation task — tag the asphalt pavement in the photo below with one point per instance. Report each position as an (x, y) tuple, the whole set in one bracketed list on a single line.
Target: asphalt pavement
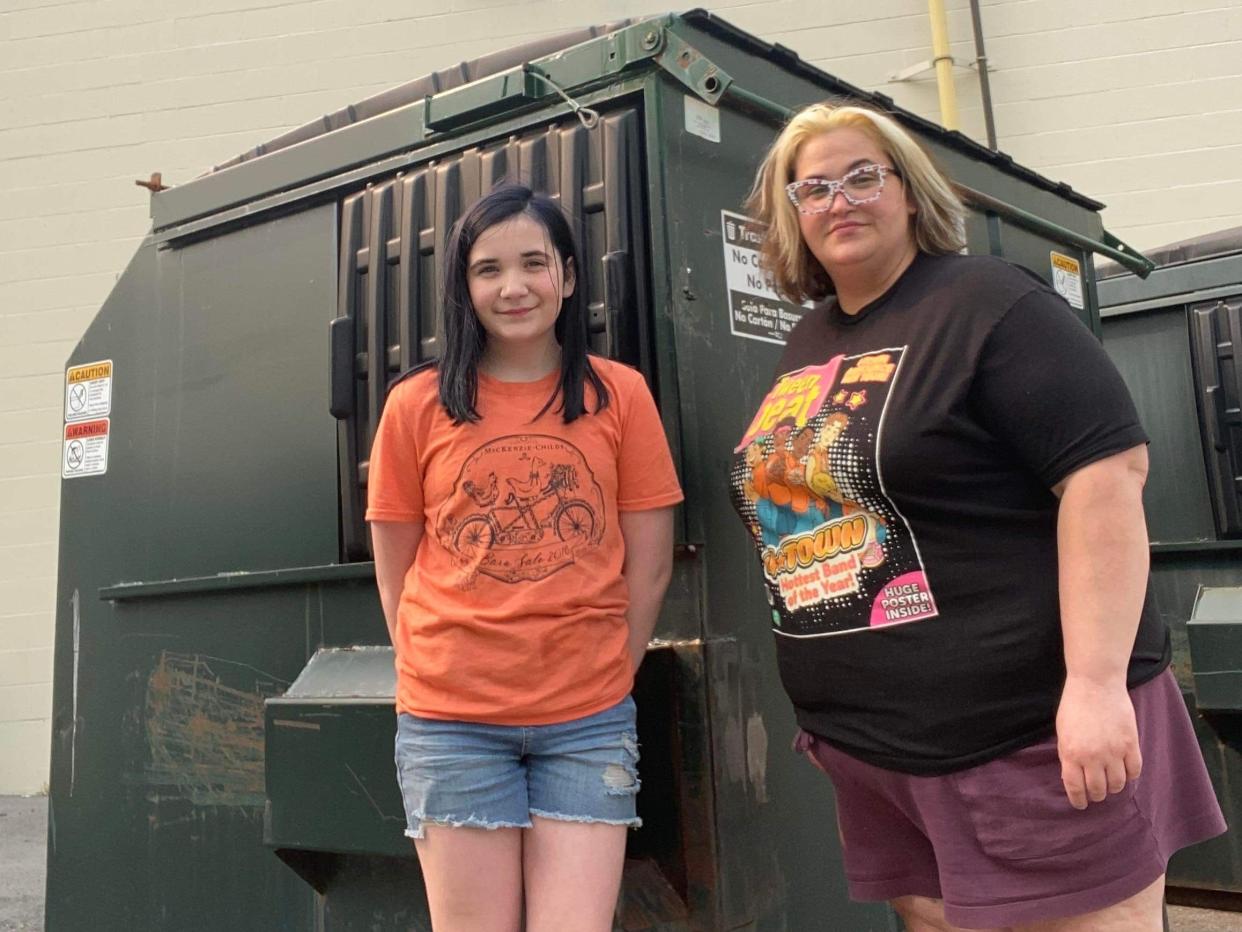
[(23, 839)]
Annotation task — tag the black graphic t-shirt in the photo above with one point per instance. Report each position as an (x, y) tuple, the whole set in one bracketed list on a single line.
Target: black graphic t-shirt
[(896, 481)]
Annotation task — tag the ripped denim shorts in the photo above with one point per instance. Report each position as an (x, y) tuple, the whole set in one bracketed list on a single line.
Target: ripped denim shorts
[(498, 776)]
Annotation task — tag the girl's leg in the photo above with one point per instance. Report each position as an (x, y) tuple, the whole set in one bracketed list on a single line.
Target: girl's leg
[(464, 789), (583, 780), (473, 878), (573, 875)]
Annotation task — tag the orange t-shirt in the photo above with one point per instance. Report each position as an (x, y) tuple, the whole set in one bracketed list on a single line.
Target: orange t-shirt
[(513, 611)]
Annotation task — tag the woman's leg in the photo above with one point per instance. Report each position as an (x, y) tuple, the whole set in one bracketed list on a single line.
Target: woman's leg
[(924, 914), (473, 878), (573, 875), (1143, 912)]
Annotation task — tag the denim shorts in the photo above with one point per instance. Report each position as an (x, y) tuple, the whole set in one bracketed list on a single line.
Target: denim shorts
[(469, 774)]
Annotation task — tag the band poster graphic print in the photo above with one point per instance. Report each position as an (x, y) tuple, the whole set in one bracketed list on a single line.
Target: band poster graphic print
[(523, 507), (837, 555)]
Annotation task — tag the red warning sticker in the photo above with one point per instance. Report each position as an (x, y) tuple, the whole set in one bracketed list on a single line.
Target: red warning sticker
[(86, 449)]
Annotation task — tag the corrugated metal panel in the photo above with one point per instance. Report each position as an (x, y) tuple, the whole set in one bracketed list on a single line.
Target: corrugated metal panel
[(1215, 330)]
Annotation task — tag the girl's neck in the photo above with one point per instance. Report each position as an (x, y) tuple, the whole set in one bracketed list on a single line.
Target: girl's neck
[(522, 362)]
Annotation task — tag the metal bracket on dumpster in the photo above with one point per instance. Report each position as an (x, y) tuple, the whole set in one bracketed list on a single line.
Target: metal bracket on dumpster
[(689, 66), (479, 99), (531, 82)]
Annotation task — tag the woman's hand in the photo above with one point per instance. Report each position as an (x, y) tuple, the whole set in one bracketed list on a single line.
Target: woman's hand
[(1097, 740)]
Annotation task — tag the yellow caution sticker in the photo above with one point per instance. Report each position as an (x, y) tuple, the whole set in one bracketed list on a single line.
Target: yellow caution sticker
[(1067, 279), (88, 391)]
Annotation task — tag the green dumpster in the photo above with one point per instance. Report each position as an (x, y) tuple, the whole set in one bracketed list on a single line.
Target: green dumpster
[(1174, 337), (222, 736)]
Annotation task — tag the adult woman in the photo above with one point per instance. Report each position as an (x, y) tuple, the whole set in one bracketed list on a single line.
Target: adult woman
[(520, 496), (968, 647)]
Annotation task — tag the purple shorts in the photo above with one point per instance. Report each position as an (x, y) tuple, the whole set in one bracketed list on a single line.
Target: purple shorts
[(1000, 843)]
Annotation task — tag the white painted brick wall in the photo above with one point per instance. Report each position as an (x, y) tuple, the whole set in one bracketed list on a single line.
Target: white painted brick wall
[(1135, 102)]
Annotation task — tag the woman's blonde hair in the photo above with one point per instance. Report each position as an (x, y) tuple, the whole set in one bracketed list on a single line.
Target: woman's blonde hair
[(939, 214)]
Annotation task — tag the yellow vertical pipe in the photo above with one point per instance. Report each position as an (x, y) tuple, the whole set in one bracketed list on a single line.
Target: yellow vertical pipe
[(943, 60)]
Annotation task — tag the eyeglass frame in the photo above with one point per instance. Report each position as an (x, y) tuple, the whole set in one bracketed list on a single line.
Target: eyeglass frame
[(838, 187)]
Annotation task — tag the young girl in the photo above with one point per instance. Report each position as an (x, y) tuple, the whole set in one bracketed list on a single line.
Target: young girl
[(521, 499)]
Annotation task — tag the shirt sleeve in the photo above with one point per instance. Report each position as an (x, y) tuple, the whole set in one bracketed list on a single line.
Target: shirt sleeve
[(645, 474), (1045, 386), (394, 482)]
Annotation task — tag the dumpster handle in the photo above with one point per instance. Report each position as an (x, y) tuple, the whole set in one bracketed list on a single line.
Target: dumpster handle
[(1117, 250), (341, 342)]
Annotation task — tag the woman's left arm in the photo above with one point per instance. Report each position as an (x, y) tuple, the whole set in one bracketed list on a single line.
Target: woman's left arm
[(1102, 558), (648, 567)]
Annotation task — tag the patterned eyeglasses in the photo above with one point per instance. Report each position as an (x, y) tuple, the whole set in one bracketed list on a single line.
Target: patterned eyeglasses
[(861, 185)]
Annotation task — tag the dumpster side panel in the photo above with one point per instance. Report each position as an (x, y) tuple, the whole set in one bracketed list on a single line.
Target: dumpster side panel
[(1151, 348), (221, 461)]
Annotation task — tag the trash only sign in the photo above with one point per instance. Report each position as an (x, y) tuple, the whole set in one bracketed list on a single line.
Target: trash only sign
[(86, 449), (756, 311)]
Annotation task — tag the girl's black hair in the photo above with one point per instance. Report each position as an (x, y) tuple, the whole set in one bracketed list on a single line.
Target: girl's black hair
[(464, 336)]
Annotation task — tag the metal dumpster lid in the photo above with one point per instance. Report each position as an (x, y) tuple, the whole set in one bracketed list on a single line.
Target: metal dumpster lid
[(475, 69), (1197, 248), (337, 673), (404, 94), (1217, 605)]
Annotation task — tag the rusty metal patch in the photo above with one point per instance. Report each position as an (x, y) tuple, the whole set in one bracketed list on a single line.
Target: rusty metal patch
[(205, 738)]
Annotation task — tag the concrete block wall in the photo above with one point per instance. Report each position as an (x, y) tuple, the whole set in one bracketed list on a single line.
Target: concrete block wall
[(1135, 102)]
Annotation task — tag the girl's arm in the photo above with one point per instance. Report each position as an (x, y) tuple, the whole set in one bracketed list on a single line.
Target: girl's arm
[(648, 567), (395, 543), (1102, 557)]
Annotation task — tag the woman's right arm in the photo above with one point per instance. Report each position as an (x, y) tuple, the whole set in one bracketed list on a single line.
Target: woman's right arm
[(395, 543)]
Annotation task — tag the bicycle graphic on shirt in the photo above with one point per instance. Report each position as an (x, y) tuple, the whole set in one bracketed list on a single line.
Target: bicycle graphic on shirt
[(532, 510)]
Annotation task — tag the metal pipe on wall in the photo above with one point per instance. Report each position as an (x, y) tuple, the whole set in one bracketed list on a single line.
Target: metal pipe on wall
[(943, 60), (981, 62)]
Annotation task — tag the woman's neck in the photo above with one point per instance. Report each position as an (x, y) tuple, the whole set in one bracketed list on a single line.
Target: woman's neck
[(854, 292), (522, 362)]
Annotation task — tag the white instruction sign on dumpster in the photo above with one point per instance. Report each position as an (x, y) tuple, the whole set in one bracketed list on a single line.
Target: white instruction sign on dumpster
[(756, 311), (88, 391), (702, 119), (86, 449), (1067, 279)]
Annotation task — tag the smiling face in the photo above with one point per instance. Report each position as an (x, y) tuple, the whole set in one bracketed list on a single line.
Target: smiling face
[(517, 283), (863, 247)]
